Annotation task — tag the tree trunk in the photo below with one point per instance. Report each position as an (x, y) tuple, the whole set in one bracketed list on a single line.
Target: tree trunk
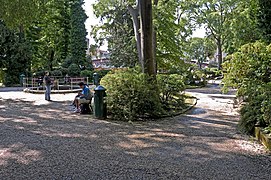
[(145, 12), (21, 33), (155, 3), (135, 13), (219, 53), (51, 59)]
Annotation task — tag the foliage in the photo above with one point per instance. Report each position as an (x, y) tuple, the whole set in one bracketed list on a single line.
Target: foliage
[(228, 22), (51, 35), (200, 49), (266, 105), (86, 73), (118, 31), (195, 77), (250, 116), (170, 87), (264, 15), (211, 73), (171, 34), (14, 55), (78, 44), (73, 70), (21, 13), (56, 72), (248, 68), (249, 71), (131, 95)]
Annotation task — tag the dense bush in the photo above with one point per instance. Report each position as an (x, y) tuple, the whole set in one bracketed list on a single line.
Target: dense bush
[(86, 73), (74, 70), (56, 72), (170, 86), (195, 76), (131, 95), (211, 73), (249, 70)]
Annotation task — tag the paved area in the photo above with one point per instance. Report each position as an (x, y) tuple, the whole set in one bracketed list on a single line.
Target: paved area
[(44, 140)]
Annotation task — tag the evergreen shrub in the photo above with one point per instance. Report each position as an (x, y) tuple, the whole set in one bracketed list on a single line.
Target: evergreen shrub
[(74, 70), (131, 95), (170, 86), (249, 70)]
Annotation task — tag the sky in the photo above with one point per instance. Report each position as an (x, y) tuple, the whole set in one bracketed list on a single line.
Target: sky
[(92, 20)]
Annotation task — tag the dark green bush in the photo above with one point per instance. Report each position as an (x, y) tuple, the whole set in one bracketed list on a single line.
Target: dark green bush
[(74, 70), (86, 73), (251, 115), (56, 72), (170, 86), (195, 77), (131, 94), (249, 71)]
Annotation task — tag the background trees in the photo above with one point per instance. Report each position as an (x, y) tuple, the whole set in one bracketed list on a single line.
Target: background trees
[(200, 49), (49, 35)]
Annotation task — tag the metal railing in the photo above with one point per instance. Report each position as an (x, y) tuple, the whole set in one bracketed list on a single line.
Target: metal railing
[(58, 82)]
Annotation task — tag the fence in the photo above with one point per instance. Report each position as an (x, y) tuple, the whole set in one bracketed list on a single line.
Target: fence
[(58, 82)]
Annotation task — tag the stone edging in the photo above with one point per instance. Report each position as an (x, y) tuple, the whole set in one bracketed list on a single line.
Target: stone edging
[(265, 139), (184, 110)]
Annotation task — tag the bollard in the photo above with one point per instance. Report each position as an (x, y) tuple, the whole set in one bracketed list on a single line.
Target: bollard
[(99, 104), (22, 79), (96, 79)]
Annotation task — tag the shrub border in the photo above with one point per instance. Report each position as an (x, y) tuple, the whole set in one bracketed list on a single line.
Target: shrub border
[(265, 139)]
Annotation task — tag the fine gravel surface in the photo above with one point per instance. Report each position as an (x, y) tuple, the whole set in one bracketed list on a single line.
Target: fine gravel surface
[(45, 140)]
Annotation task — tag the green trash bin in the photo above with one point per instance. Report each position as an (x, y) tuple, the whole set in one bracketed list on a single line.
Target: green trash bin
[(100, 110)]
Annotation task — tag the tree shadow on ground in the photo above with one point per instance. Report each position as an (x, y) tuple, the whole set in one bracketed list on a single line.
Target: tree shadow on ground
[(49, 142)]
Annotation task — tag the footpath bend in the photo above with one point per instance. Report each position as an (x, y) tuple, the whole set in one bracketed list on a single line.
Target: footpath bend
[(45, 140)]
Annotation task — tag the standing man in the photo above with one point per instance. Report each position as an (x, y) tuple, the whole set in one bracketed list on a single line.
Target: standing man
[(47, 83)]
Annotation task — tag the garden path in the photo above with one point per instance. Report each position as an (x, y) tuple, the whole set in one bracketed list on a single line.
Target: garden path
[(44, 140)]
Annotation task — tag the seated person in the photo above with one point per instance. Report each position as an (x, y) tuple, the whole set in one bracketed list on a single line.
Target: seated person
[(84, 97)]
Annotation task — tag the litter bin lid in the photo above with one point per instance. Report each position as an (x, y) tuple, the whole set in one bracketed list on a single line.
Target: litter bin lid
[(99, 88)]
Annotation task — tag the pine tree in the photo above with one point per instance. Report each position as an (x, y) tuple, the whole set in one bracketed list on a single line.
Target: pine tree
[(78, 43)]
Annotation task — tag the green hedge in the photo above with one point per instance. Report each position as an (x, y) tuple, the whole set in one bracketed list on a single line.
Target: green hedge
[(249, 70), (132, 95)]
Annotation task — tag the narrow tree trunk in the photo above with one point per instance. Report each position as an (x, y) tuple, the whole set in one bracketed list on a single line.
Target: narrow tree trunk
[(155, 3), (145, 12), (135, 17), (21, 33), (219, 54), (51, 59)]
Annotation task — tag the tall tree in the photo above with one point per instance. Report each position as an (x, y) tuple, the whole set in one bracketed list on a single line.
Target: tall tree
[(14, 55), (54, 34), (167, 24), (78, 43), (146, 26), (215, 15), (20, 14), (117, 31), (200, 49)]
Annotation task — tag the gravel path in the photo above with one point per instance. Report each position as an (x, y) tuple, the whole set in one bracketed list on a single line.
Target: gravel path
[(44, 140)]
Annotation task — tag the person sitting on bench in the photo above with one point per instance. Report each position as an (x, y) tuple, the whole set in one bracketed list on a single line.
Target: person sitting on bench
[(82, 98)]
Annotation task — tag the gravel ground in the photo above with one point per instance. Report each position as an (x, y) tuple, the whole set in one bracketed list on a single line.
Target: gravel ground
[(45, 140)]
